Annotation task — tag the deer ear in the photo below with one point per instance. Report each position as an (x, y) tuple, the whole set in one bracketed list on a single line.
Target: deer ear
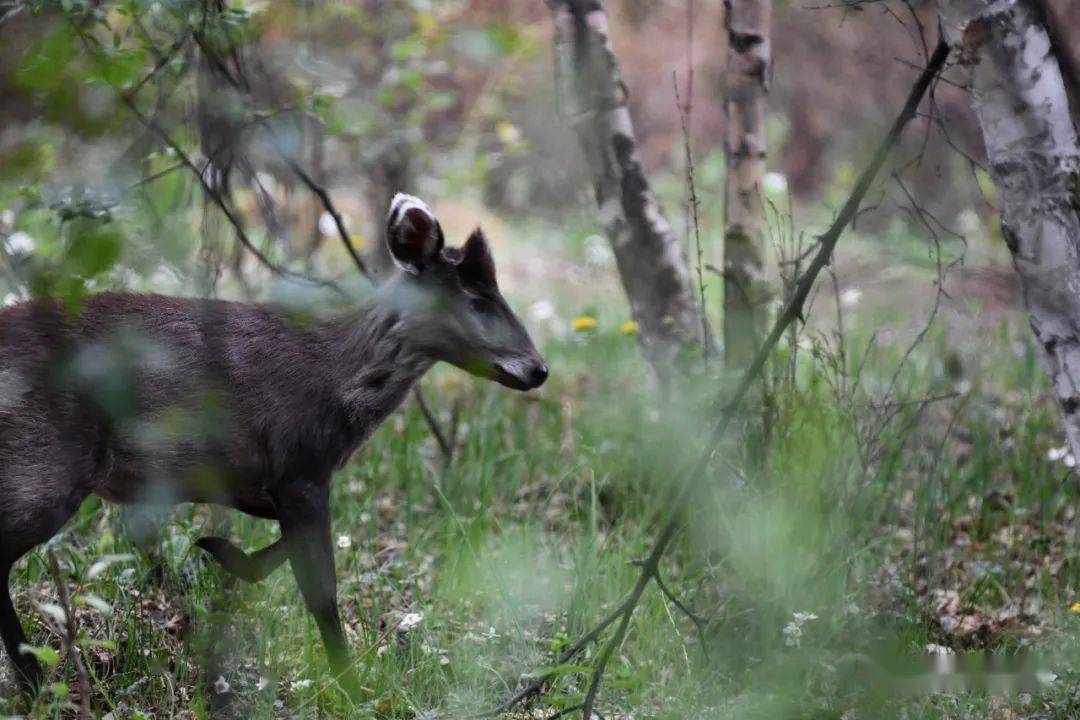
[(413, 235), (477, 266)]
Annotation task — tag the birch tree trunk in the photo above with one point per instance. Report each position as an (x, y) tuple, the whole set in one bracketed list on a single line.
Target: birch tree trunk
[(1020, 99), (749, 60), (652, 267)]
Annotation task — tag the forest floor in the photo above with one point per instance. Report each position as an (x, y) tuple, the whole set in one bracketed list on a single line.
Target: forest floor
[(900, 542)]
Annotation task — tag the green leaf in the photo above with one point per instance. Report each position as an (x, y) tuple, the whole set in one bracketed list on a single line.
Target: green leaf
[(117, 68), (558, 670), (45, 654), (106, 644), (44, 65), (561, 701), (30, 158), (92, 252)]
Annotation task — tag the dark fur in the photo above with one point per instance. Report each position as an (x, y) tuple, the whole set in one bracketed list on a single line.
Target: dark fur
[(160, 400)]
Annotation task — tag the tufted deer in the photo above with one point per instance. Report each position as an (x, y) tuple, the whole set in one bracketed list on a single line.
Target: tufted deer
[(160, 400)]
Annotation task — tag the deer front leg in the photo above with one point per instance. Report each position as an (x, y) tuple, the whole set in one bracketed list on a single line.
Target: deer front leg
[(252, 568), (304, 514)]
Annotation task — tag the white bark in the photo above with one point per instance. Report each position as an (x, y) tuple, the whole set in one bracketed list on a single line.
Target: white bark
[(651, 264), (749, 60), (1020, 99)]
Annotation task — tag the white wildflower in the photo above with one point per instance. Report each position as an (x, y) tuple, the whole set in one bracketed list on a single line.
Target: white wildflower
[(411, 620), (850, 297), (299, 685), (793, 631), (1069, 461), (344, 542), (221, 685), (1055, 454), (20, 243), (542, 310), (327, 226), (793, 634), (262, 684), (598, 253), (775, 183)]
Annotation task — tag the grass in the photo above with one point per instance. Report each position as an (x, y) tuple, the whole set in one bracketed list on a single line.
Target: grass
[(826, 555)]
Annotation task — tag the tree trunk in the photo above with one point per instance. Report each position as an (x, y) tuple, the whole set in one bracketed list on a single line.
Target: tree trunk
[(749, 60), (651, 263), (1020, 99)]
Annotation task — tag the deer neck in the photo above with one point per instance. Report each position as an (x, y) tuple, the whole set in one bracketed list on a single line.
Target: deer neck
[(374, 367)]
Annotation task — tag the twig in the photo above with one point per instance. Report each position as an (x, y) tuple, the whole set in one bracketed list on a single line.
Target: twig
[(692, 199), (69, 638), (445, 444), (164, 60), (699, 622), (328, 205), (692, 480)]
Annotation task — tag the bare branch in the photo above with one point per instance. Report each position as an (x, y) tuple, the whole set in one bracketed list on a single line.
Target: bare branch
[(328, 205), (69, 636)]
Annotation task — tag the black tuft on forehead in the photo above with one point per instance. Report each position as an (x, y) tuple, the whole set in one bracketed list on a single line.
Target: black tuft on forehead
[(476, 266)]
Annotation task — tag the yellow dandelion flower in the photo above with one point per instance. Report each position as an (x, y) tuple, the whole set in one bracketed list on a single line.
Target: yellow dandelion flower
[(629, 328), (508, 133), (583, 322), (1075, 608)]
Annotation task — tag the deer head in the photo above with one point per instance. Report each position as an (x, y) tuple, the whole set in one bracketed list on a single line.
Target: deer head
[(449, 302)]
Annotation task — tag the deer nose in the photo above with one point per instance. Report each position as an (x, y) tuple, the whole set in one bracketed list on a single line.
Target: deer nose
[(538, 375)]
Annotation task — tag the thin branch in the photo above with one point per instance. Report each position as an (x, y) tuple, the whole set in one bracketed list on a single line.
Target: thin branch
[(164, 60), (692, 198), (699, 622), (328, 205), (69, 636), (445, 444), (792, 311)]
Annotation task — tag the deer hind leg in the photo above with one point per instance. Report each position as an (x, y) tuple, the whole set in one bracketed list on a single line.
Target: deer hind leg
[(27, 669), (45, 475), (252, 568)]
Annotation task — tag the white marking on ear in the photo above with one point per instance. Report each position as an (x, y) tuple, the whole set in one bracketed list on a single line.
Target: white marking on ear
[(404, 202), (402, 205)]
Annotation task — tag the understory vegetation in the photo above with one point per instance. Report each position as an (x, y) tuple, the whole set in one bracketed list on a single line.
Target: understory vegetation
[(897, 499)]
